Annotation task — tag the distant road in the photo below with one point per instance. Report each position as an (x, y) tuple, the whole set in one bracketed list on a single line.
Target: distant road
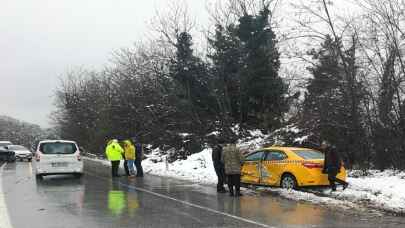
[(97, 201)]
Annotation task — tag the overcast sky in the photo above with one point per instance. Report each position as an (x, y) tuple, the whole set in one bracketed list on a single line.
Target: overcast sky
[(42, 39)]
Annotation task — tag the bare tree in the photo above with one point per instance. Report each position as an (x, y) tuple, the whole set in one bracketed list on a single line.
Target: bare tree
[(382, 45), (172, 21)]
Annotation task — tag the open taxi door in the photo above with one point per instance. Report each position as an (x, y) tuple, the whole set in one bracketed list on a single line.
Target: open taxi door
[(251, 168), (273, 166)]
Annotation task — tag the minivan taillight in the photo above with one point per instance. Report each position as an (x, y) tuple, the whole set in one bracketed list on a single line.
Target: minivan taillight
[(79, 158), (312, 165), (37, 157)]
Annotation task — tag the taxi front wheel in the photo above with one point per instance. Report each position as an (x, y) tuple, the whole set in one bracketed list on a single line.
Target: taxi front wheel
[(288, 181)]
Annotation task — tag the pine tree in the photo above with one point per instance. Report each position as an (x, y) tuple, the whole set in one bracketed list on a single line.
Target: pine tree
[(246, 63), (189, 75), (327, 109), (262, 90), (225, 57), (324, 99)]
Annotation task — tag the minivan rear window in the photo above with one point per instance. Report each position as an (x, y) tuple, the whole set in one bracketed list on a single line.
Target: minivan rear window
[(57, 148), (310, 154)]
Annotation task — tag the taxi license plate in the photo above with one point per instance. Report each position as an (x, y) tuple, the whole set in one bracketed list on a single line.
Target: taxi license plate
[(59, 164)]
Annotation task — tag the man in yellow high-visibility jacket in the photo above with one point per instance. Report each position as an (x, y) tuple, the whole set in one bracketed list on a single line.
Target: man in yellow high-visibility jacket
[(114, 154), (129, 153)]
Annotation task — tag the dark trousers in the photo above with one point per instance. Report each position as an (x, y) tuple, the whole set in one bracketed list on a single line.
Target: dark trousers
[(332, 179), (234, 181), (139, 169), (114, 168), (220, 171), (126, 167)]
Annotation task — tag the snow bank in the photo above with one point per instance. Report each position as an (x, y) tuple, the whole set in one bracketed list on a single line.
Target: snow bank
[(197, 167), (254, 141), (383, 190), (380, 190)]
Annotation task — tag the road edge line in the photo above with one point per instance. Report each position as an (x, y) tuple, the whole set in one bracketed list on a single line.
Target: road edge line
[(190, 204), (4, 216)]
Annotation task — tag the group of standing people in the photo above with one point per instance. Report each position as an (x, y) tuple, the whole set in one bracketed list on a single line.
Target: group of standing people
[(131, 153), (228, 160)]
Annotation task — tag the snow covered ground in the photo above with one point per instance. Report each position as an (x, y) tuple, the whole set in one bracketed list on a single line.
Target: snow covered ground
[(378, 190)]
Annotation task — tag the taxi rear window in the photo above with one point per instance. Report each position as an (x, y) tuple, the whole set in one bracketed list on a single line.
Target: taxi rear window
[(309, 154)]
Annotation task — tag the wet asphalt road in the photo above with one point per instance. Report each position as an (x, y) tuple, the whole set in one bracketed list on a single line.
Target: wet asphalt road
[(97, 201)]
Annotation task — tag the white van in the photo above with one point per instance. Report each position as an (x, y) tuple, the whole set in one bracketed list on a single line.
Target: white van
[(58, 157)]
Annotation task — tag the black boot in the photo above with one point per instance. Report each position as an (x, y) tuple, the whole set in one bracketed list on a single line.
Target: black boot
[(221, 190), (231, 192), (345, 186)]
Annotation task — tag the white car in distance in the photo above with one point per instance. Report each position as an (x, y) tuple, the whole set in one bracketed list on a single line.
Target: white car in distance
[(21, 152), (54, 157), (3, 144)]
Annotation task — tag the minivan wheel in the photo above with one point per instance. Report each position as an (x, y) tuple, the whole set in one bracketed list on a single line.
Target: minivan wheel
[(78, 175), (39, 176), (288, 181)]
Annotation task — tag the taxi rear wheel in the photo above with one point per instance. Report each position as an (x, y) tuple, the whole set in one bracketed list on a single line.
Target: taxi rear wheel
[(288, 181)]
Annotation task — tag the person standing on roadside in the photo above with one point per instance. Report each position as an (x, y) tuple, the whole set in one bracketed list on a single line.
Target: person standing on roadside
[(122, 144), (129, 153), (113, 152), (232, 158), (219, 165), (138, 158), (332, 165)]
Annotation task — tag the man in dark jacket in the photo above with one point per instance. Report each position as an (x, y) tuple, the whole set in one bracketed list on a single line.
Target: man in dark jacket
[(219, 165), (232, 158), (332, 165), (138, 158)]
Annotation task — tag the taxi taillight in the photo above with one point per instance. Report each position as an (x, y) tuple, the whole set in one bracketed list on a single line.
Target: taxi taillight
[(312, 165)]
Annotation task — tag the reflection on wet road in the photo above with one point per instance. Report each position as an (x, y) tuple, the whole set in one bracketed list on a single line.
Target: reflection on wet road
[(98, 201)]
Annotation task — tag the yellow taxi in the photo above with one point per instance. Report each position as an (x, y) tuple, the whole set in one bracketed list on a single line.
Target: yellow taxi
[(286, 167)]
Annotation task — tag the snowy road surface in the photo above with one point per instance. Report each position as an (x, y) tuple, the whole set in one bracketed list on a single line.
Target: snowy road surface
[(98, 201)]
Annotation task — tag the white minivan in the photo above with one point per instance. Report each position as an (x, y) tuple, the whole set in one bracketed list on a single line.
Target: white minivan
[(58, 157)]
